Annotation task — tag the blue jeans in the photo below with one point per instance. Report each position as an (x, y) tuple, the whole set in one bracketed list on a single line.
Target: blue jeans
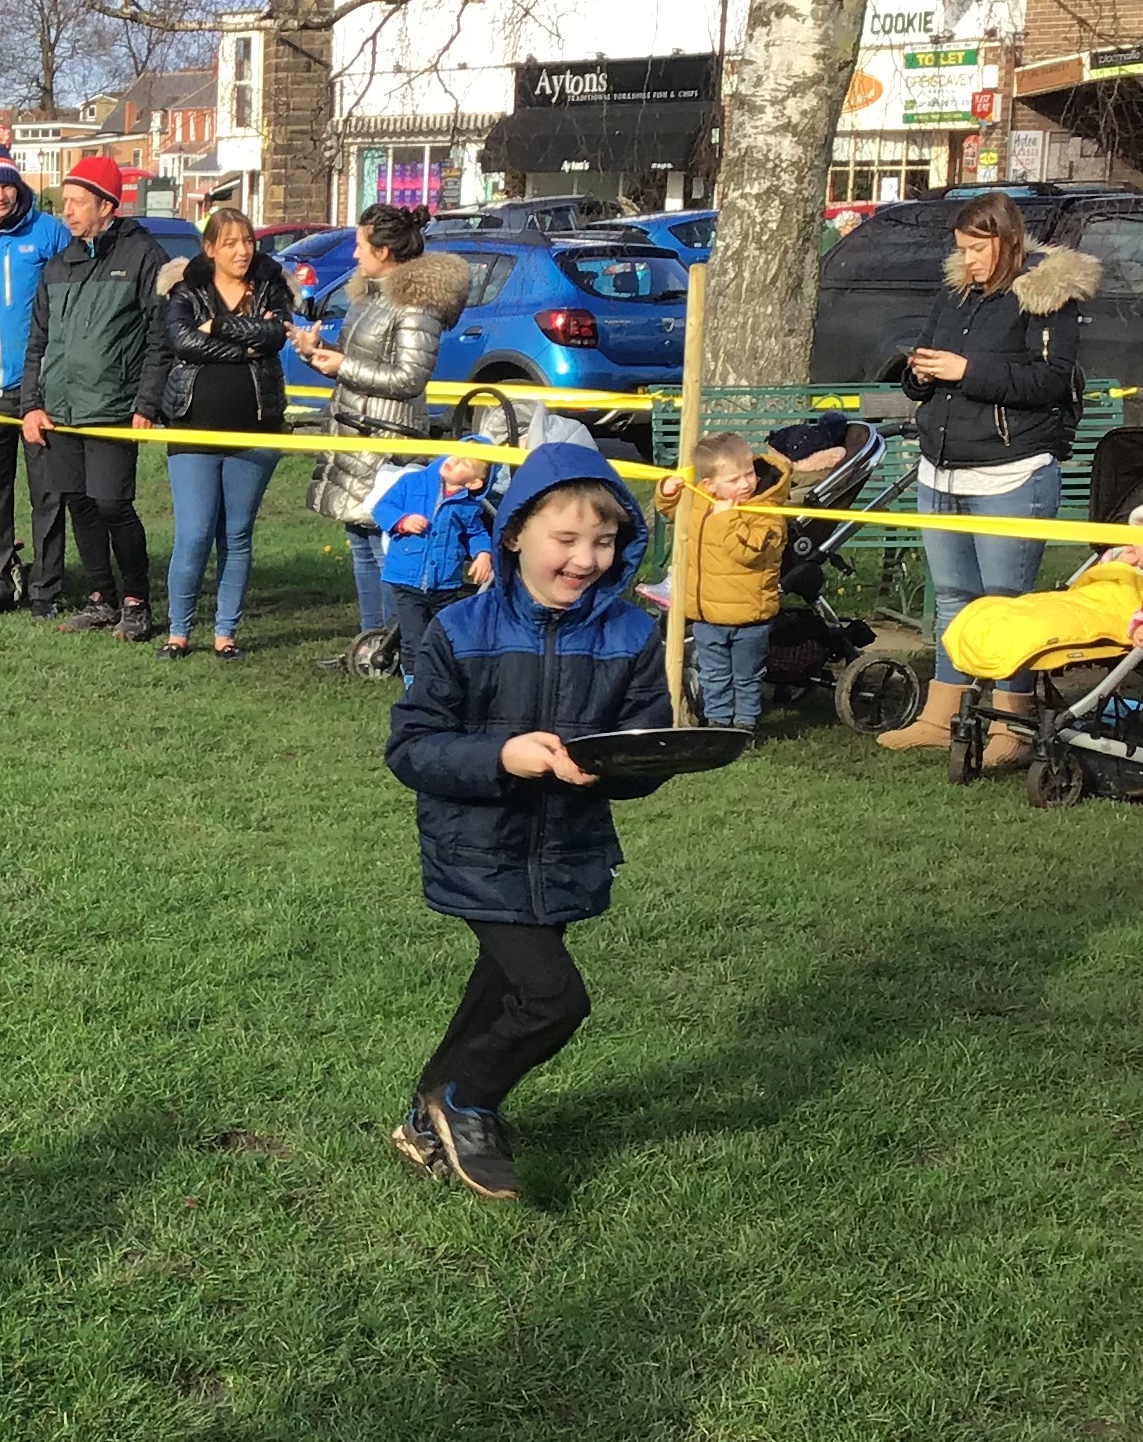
[(375, 600), (732, 667), (965, 567), (216, 496)]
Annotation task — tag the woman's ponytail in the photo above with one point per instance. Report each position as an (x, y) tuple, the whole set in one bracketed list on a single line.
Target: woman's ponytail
[(397, 228)]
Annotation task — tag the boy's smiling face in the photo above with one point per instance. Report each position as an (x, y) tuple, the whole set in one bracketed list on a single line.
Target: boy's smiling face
[(563, 549)]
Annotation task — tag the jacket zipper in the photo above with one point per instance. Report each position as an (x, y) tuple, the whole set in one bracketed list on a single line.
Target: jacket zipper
[(1000, 416), (546, 722), (7, 277), (698, 565), (257, 389)]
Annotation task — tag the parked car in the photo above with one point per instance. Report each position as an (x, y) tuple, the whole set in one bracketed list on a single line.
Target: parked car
[(271, 238), (574, 309), (318, 259), (878, 282), (177, 237), (551, 213), (689, 233)]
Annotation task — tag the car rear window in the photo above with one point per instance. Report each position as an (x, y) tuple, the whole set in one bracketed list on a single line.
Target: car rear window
[(179, 246), (462, 224), (650, 278), (695, 234), (312, 246), (907, 243)]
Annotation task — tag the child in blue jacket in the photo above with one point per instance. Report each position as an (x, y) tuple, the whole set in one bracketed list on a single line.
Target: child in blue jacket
[(515, 839), (434, 520)]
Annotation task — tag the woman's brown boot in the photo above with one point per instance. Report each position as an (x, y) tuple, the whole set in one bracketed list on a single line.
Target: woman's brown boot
[(931, 728), (1005, 747)]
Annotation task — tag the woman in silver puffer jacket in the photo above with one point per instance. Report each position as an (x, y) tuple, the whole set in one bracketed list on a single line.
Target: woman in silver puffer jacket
[(401, 302)]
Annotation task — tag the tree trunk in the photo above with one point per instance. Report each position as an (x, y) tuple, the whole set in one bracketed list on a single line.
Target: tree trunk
[(796, 64)]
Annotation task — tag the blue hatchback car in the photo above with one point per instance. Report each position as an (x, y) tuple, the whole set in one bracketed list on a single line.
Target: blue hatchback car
[(320, 258), (689, 233), (574, 310)]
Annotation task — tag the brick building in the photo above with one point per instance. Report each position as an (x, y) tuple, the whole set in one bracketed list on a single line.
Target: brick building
[(1077, 89)]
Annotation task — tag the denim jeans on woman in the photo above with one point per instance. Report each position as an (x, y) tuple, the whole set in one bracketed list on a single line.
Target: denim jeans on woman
[(732, 667), (376, 603), (965, 567), (216, 497)]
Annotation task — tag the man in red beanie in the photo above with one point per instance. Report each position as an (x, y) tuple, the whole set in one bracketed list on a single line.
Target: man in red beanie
[(98, 355)]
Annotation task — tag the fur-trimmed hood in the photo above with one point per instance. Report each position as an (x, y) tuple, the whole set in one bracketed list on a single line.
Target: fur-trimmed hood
[(1052, 276), (197, 271), (436, 282)]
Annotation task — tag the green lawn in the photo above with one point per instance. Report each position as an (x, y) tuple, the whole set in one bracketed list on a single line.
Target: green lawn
[(849, 1150)]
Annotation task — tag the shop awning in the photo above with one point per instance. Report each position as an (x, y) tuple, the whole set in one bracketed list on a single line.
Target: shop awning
[(599, 137), (223, 189), (1097, 95)]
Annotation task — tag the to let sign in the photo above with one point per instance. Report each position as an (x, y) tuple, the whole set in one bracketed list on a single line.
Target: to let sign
[(983, 104)]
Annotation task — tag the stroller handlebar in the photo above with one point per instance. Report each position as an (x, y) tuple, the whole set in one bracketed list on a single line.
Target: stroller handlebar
[(905, 429)]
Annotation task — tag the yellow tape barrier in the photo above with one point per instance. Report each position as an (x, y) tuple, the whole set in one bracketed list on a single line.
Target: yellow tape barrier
[(443, 393), (1072, 532)]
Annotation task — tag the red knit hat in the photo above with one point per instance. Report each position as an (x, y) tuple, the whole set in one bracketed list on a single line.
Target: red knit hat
[(100, 175)]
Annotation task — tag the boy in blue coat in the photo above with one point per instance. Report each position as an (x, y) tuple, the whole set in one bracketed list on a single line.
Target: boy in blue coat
[(434, 520), (515, 839)]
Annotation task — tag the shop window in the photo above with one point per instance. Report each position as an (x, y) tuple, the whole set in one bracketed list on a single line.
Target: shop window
[(403, 175), (878, 168)]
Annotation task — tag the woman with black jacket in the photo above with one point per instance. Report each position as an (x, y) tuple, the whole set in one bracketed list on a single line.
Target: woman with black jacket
[(999, 389), (228, 312)]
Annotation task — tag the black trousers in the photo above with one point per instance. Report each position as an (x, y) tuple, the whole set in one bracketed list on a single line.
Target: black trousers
[(524, 1001), (96, 480), (48, 523), (415, 609)]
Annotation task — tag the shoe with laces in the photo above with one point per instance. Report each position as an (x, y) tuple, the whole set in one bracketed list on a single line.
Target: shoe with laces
[(475, 1145), (136, 622), (97, 615), (419, 1144)]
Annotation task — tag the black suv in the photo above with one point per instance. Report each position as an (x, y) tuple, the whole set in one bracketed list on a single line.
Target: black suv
[(878, 283)]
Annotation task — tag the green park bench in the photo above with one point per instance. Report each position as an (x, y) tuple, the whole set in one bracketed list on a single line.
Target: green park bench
[(756, 411)]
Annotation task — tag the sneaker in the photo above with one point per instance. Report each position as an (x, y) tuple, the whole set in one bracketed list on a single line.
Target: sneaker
[(44, 610), (475, 1145), (97, 615), (136, 622), (419, 1144)]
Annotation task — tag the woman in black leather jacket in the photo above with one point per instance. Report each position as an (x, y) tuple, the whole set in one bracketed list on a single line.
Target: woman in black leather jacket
[(228, 311)]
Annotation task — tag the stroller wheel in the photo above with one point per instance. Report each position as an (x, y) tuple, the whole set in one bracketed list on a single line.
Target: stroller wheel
[(376, 654), (1058, 782), (877, 693), (966, 758)]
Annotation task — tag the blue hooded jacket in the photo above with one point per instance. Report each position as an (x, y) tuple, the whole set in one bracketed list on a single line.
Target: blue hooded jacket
[(26, 245), (496, 847), (433, 561)]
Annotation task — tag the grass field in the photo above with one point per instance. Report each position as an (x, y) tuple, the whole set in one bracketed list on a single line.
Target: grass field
[(849, 1150)]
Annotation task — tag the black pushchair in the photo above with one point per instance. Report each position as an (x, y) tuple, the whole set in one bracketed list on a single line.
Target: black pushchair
[(811, 647), (1093, 743)]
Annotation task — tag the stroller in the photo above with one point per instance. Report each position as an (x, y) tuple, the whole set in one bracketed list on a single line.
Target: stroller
[(810, 645), (375, 654), (1092, 744)]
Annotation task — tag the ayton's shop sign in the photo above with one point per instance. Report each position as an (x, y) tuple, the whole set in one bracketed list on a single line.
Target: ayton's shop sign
[(657, 81)]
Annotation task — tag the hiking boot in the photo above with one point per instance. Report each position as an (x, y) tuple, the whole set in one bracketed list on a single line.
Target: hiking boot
[(44, 610), (475, 1145), (419, 1144), (97, 615), (136, 622)]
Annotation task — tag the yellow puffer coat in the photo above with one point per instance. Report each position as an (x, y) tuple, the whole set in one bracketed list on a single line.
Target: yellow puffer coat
[(734, 558)]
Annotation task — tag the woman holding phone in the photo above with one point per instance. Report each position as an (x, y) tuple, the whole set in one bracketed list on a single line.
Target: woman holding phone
[(1000, 394)]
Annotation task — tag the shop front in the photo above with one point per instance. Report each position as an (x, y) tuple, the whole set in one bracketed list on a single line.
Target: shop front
[(642, 129), (412, 160), (1080, 116)]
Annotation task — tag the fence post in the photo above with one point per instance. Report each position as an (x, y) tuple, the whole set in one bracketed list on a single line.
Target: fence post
[(688, 435)]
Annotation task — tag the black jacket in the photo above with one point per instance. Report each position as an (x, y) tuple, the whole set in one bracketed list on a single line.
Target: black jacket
[(97, 349), (495, 847), (246, 340), (1021, 346)]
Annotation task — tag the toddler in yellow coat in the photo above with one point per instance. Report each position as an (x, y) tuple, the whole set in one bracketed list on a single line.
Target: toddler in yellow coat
[(734, 561)]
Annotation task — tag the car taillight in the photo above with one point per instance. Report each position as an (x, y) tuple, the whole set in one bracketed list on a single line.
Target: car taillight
[(569, 327), (305, 274)]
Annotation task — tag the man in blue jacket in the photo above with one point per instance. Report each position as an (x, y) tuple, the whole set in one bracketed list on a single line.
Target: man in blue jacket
[(28, 240)]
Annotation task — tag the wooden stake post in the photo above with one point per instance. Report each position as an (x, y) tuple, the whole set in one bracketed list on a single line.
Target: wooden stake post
[(688, 435)]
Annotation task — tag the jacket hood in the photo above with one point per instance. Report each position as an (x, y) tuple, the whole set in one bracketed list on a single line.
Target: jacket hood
[(198, 272), (25, 200), (556, 464), (1052, 276), (777, 493), (436, 282)]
